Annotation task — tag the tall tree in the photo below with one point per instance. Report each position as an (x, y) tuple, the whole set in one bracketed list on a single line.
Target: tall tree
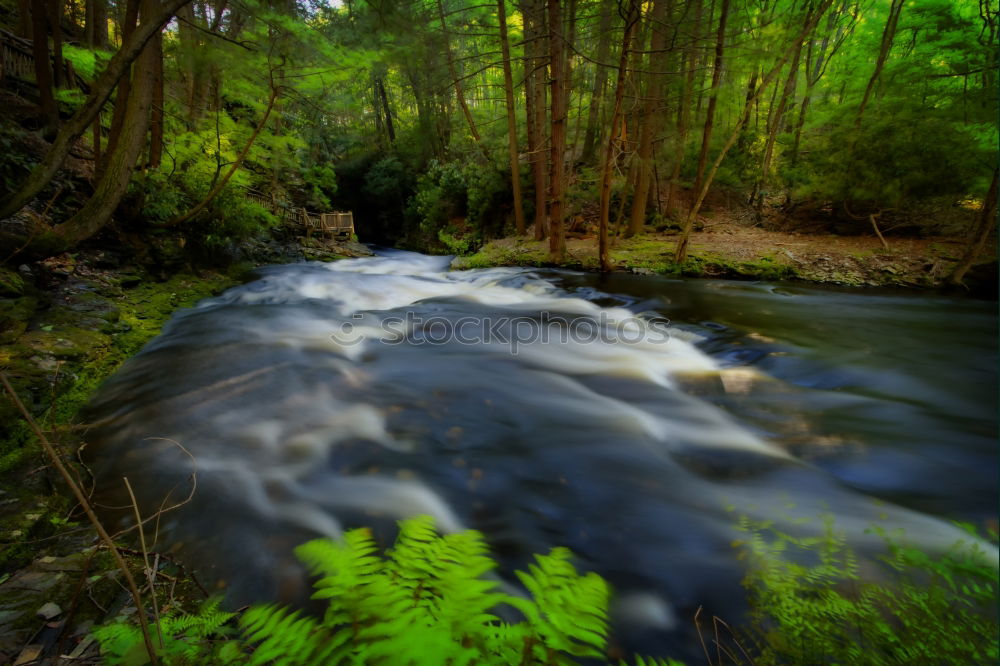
[(44, 80), (592, 137), (536, 69), (508, 87), (557, 164), (888, 36), (651, 115), (617, 118), (684, 111), (713, 100)]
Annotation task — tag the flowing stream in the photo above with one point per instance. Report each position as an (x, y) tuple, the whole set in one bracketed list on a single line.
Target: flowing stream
[(631, 419)]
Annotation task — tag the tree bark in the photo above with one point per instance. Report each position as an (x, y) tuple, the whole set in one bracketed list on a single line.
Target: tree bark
[(508, 86), (156, 113), (100, 91), (592, 136), (48, 113), (121, 99), (706, 137), (390, 131), (557, 177), (651, 117), (537, 65), (55, 23), (132, 139), (684, 117), (888, 35), (987, 221), (631, 21)]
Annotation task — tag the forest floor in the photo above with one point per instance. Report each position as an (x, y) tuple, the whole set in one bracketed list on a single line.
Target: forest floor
[(725, 248)]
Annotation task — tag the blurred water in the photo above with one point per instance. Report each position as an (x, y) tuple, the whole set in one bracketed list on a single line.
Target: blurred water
[(629, 418)]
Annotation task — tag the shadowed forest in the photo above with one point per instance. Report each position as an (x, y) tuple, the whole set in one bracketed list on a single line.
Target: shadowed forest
[(444, 125)]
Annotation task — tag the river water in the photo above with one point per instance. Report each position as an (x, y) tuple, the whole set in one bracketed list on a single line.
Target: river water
[(632, 419)]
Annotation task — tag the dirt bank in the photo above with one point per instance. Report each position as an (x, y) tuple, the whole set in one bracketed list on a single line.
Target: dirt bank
[(731, 250)]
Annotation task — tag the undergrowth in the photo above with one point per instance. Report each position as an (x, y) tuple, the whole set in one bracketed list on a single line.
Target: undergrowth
[(426, 602), (811, 605)]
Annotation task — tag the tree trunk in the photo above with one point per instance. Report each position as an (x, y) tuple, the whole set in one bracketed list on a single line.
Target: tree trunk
[(559, 87), (96, 31), (114, 182), (592, 136), (684, 117), (706, 137), (508, 86), (121, 99), (888, 35), (156, 114), (651, 117), (987, 221), (390, 131), (459, 93), (631, 21), (774, 123), (25, 19), (537, 65), (100, 91), (55, 23), (43, 67)]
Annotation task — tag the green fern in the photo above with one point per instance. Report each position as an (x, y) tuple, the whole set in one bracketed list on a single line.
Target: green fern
[(186, 639), (429, 601)]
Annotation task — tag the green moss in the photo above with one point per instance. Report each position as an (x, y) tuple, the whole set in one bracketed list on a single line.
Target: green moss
[(11, 284)]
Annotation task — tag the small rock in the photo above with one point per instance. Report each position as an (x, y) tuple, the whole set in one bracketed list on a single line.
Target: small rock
[(49, 611)]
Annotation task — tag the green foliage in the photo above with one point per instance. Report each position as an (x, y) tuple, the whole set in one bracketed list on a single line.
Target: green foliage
[(179, 639), (428, 601), (86, 62), (811, 606)]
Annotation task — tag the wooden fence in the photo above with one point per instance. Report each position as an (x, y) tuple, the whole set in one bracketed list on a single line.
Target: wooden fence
[(337, 224), (16, 59)]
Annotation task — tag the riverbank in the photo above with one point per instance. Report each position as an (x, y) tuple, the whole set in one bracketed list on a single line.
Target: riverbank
[(66, 323), (724, 249)]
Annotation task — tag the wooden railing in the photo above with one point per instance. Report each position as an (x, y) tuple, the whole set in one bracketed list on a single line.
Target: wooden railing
[(16, 59), (335, 224)]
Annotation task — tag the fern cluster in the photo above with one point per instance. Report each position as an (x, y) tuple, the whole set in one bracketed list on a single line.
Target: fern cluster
[(427, 602), (929, 610)]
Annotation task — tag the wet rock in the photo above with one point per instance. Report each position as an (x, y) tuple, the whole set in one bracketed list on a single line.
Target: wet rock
[(61, 264), (49, 611)]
